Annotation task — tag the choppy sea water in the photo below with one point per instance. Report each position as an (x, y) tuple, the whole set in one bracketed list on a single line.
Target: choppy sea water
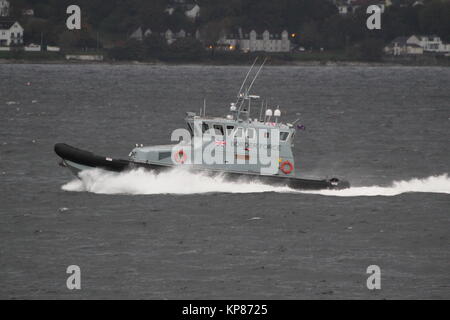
[(179, 235)]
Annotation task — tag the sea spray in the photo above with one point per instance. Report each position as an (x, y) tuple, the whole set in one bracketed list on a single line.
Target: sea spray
[(175, 181), (433, 184), (182, 181)]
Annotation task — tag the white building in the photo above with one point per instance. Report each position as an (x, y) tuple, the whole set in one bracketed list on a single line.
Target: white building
[(11, 33), (253, 42), (417, 45), (138, 34), (429, 43), (170, 36), (32, 47), (400, 46), (53, 49), (343, 9), (4, 8)]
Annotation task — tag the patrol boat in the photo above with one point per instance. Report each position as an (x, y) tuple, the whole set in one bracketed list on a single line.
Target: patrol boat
[(235, 140)]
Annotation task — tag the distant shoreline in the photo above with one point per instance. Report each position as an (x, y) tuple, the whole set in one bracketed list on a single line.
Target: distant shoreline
[(328, 58), (313, 63)]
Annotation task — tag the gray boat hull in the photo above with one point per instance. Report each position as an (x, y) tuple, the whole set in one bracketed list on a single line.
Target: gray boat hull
[(78, 160)]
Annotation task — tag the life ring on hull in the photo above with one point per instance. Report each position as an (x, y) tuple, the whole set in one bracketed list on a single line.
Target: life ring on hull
[(286, 167), (180, 157)]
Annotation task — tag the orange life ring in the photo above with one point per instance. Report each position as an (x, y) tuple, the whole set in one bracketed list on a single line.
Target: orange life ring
[(180, 156), (286, 170)]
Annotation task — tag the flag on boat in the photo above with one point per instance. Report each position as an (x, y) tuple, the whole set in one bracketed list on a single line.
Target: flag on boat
[(220, 142)]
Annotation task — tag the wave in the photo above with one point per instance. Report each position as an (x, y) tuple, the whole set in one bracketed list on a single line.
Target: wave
[(181, 181), (433, 184), (176, 181)]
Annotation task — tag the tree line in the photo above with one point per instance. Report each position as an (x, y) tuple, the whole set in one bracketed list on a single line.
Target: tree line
[(316, 23)]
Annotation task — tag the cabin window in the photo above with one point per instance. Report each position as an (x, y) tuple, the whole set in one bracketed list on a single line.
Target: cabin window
[(164, 155), (190, 129), (218, 129), (239, 133), (205, 127), (284, 136), (230, 129), (250, 133)]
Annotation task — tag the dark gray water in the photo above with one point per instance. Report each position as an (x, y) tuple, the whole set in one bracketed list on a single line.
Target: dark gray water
[(370, 125)]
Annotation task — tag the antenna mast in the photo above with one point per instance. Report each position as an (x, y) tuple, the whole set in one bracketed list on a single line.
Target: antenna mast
[(260, 112), (246, 77), (204, 107), (257, 74), (247, 91)]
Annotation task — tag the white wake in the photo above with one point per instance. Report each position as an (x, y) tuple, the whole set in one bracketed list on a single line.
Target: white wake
[(180, 181), (175, 181), (433, 184)]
